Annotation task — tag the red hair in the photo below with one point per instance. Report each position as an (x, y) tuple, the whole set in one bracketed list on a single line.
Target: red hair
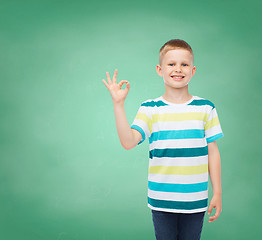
[(174, 44)]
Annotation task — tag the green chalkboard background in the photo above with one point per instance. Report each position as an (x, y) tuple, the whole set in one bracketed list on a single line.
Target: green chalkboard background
[(63, 172)]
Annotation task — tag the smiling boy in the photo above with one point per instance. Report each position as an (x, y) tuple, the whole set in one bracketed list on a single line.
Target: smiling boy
[(182, 130), (176, 68)]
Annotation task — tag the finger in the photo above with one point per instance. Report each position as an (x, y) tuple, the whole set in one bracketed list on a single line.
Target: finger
[(217, 214), (122, 82), (115, 75), (105, 83), (210, 209), (213, 218), (108, 78), (127, 87)]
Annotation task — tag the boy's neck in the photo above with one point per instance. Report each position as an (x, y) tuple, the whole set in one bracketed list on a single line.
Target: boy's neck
[(177, 96)]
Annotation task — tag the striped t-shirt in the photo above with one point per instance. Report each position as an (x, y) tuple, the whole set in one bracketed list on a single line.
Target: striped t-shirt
[(178, 153)]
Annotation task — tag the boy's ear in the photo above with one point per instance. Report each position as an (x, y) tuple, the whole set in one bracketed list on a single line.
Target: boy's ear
[(159, 71), (193, 71)]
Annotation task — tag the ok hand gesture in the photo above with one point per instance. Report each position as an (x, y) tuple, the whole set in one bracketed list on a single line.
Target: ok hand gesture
[(118, 95)]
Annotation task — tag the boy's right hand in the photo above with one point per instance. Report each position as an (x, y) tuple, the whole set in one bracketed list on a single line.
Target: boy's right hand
[(118, 95)]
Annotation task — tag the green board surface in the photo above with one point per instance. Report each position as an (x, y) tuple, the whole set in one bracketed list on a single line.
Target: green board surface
[(63, 172)]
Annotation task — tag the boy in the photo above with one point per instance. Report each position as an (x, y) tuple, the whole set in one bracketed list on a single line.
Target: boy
[(182, 130)]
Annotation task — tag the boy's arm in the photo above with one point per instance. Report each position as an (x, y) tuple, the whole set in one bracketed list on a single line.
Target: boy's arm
[(129, 138), (214, 169)]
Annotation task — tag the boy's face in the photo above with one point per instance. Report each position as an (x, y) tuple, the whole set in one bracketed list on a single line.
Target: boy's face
[(178, 62)]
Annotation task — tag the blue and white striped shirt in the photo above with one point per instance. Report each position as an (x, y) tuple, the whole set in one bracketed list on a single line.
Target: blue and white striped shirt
[(178, 153)]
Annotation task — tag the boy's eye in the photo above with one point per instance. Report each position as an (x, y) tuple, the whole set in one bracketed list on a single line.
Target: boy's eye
[(171, 64)]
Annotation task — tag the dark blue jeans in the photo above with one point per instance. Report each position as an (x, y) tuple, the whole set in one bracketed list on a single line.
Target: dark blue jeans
[(177, 226)]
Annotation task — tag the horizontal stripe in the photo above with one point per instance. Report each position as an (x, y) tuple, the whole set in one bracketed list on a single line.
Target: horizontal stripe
[(180, 188), (178, 178), (179, 152), (178, 143), (178, 170), (144, 120), (178, 204), (195, 102), (201, 102), (178, 210), (177, 134), (141, 131), (180, 125), (153, 104), (178, 161), (178, 196), (181, 116), (214, 138), (211, 123)]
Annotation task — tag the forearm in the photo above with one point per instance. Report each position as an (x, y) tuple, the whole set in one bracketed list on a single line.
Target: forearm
[(123, 129), (214, 169)]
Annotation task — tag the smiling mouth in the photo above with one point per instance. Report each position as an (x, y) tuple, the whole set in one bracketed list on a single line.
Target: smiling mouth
[(177, 77)]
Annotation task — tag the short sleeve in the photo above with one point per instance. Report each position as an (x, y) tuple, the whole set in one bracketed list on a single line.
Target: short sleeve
[(212, 127), (143, 121)]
